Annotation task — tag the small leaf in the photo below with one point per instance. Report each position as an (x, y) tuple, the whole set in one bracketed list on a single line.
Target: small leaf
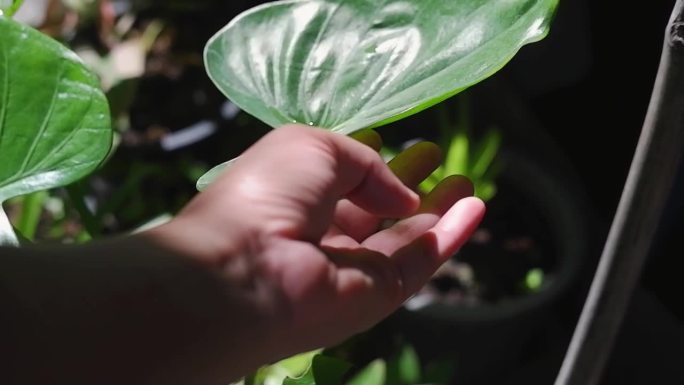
[(456, 162), (373, 374), (404, 369), (54, 119), (205, 180), (346, 65), (484, 155), (324, 370), (485, 190)]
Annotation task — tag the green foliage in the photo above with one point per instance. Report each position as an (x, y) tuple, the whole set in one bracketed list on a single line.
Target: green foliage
[(404, 369), (466, 156), (314, 368), (373, 374), (324, 370), (348, 65), (54, 119)]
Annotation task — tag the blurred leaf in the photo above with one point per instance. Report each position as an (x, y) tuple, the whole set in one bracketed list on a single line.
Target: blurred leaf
[(347, 65), (10, 7), (456, 162), (324, 370), (485, 190), (484, 155), (54, 119), (373, 374), (298, 364), (404, 369), (31, 210)]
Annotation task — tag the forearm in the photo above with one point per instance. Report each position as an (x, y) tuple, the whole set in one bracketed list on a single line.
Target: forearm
[(128, 311)]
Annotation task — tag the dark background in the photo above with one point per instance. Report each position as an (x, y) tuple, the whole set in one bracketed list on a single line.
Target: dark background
[(597, 69)]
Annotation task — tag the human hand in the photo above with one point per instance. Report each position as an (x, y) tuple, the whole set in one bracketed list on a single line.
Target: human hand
[(295, 224)]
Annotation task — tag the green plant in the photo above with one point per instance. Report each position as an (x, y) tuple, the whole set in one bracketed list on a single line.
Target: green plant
[(316, 368), (348, 65), (54, 119), (468, 156), (465, 154)]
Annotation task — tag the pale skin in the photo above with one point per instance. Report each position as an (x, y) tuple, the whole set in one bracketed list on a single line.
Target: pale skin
[(284, 253)]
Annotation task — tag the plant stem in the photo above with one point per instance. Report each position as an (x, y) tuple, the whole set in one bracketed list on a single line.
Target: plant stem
[(7, 236), (31, 210), (14, 8), (655, 164), (88, 220)]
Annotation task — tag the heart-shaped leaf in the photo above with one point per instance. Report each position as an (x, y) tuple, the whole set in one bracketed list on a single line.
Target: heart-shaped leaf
[(350, 64), (54, 119), (345, 65)]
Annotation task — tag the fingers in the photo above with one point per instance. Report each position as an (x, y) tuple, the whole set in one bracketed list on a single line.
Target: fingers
[(336, 238), (292, 179), (435, 204), (369, 285), (411, 166), (417, 261), (366, 181), (416, 163), (369, 137), (446, 193)]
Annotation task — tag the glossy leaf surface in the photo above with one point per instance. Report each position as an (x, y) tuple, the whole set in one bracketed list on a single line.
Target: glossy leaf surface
[(349, 64), (54, 120)]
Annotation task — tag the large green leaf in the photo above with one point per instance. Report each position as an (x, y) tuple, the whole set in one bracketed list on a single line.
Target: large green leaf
[(345, 65), (350, 64), (54, 119)]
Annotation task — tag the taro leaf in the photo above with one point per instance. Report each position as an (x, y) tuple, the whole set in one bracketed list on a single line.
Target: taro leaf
[(404, 369), (345, 65), (54, 120)]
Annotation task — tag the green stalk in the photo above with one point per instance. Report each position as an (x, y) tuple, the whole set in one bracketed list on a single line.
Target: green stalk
[(31, 210), (14, 8), (88, 220)]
